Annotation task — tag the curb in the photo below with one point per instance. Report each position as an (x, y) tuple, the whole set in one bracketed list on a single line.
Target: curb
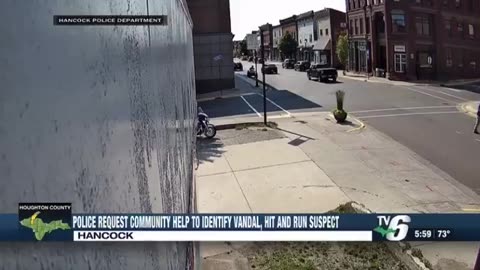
[(234, 125), (463, 107), (225, 96), (361, 123)]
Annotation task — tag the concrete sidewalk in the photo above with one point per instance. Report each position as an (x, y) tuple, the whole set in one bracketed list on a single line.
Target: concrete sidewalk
[(313, 165)]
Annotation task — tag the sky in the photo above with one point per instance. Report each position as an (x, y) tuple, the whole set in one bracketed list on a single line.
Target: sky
[(248, 15)]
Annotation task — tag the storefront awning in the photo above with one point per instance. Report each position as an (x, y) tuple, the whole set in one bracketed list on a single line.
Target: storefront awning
[(323, 45)]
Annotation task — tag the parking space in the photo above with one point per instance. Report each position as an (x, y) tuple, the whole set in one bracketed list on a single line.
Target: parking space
[(246, 105)]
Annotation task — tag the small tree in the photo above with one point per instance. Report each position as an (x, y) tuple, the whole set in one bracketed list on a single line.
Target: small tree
[(288, 45), (342, 49), (243, 47)]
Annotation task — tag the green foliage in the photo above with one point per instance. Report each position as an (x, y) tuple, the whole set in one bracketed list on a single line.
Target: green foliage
[(243, 47), (342, 49), (340, 98), (288, 45)]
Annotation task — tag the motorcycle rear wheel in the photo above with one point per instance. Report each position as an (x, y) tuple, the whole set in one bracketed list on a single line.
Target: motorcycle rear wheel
[(210, 131)]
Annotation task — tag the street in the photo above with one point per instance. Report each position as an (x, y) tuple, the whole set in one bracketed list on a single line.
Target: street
[(424, 118)]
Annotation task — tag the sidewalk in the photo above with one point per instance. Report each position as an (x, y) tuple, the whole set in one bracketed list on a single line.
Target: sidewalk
[(373, 79), (311, 164)]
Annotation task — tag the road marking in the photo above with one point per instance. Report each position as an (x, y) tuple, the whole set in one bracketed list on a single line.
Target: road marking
[(287, 112), (441, 92), (405, 114), (427, 94), (251, 107), (404, 108)]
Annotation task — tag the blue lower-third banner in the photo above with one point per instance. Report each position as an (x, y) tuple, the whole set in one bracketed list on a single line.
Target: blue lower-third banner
[(55, 222)]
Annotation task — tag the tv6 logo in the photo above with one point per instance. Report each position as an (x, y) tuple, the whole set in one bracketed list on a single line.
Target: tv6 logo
[(397, 226)]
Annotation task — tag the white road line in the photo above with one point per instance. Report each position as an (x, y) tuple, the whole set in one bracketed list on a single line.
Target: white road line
[(251, 107), (404, 108), (405, 114), (441, 92), (287, 112), (452, 89), (427, 94)]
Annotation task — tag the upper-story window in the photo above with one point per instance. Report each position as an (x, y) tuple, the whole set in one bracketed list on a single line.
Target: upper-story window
[(471, 31), (422, 24), (326, 32), (460, 29), (310, 38), (448, 27), (356, 27), (458, 3), (398, 21), (321, 32)]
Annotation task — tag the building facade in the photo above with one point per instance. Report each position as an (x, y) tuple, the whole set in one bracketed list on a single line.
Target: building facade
[(305, 36), (289, 25), (277, 37), (266, 30), (415, 40), (213, 42), (329, 24), (112, 133)]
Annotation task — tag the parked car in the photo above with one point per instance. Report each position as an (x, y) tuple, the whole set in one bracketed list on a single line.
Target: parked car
[(237, 66), (302, 65), (260, 60), (322, 73), (270, 69), (250, 59), (288, 63), (251, 73), (244, 58)]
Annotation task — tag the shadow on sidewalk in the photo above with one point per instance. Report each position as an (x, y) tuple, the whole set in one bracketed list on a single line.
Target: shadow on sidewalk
[(208, 149)]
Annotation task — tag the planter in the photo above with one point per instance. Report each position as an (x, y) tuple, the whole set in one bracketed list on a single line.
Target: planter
[(340, 115)]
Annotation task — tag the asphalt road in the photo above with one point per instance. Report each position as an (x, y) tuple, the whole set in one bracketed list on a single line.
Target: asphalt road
[(423, 118)]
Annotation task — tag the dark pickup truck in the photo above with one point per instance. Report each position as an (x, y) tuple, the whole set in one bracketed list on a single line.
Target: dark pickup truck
[(322, 73)]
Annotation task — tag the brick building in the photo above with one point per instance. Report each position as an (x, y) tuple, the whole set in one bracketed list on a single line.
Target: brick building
[(415, 40), (266, 30), (212, 43), (289, 25)]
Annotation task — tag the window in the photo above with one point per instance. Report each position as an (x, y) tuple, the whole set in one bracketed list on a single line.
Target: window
[(351, 27), (356, 27), (321, 32), (460, 29), (361, 26), (448, 27), (424, 59), (448, 57), (445, 2), (326, 32), (400, 62), (367, 25), (458, 3), (471, 31), (398, 21), (422, 24), (310, 38)]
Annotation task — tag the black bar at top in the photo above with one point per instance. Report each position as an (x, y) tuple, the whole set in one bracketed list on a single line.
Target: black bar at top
[(110, 20)]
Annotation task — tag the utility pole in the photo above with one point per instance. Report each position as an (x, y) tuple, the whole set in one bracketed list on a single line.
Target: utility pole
[(262, 47)]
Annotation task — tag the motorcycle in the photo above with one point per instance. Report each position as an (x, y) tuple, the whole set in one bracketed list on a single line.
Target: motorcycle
[(203, 125)]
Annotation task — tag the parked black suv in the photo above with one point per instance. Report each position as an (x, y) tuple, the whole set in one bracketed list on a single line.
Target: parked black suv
[(302, 65), (288, 63), (270, 69), (322, 73)]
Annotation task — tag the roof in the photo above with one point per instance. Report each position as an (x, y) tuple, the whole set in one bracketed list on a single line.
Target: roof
[(305, 15), (288, 20)]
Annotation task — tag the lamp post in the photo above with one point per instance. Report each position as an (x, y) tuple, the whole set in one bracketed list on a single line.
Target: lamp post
[(262, 48), (256, 71)]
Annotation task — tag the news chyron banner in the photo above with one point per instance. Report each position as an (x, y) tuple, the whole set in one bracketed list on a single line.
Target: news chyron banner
[(55, 222)]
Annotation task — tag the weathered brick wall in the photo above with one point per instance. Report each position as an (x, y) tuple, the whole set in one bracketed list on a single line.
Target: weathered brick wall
[(98, 116)]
